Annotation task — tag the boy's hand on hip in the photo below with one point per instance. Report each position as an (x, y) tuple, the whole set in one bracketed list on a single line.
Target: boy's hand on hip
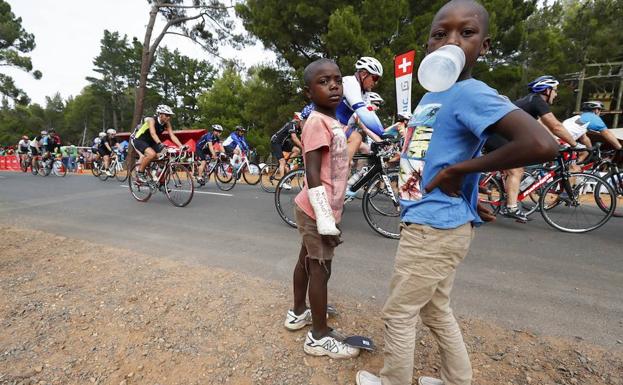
[(485, 214), (331, 240), (448, 181)]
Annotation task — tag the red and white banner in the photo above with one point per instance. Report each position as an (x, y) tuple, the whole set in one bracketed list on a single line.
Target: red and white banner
[(403, 70)]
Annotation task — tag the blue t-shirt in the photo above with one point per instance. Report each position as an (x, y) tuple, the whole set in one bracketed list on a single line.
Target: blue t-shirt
[(595, 123), (446, 128)]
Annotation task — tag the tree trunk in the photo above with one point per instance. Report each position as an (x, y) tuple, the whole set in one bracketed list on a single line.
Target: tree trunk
[(145, 65)]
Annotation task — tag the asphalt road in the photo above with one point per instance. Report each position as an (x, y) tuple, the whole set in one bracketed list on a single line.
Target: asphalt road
[(520, 276)]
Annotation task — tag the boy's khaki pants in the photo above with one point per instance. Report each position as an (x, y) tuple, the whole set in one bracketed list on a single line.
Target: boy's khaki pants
[(424, 272)]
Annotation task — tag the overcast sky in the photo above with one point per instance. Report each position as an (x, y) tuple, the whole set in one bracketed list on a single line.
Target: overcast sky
[(68, 34)]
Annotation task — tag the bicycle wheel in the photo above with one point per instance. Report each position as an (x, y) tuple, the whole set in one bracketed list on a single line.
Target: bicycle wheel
[(102, 174), (531, 204), (139, 190), (491, 194), (251, 173), (284, 196), (225, 176), (268, 177), (95, 169), (121, 174), (59, 168), (615, 180), (577, 212), (23, 165), (380, 205), (179, 186), (42, 169)]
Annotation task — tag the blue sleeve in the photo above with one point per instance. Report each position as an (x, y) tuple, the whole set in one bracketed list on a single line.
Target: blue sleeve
[(482, 107), (595, 123), (369, 119)]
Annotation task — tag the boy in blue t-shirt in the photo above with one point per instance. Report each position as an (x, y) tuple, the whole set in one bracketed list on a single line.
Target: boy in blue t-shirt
[(438, 187)]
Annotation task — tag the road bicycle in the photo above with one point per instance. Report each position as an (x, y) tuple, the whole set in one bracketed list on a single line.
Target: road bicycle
[(239, 168), (219, 167), (50, 165), (607, 167), (269, 174), (170, 174), (116, 169), (568, 201), (25, 163), (380, 202)]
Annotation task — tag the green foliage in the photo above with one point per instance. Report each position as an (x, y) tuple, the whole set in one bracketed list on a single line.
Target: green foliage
[(14, 42)]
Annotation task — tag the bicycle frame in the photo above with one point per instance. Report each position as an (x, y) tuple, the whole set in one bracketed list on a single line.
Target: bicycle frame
[(378, 167)]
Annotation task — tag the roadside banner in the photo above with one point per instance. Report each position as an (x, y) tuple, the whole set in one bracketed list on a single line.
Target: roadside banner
[(403, 70)]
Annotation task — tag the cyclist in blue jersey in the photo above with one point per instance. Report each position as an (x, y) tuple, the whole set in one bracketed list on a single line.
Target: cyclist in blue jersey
[(368, 72), (206, 149), (590, 116), (236, 142)]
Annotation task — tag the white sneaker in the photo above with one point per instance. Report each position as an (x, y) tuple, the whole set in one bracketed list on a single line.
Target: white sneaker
[(429, 381), (286, 186), (367, 378), (297, 322), (108, 173), (328, 346)]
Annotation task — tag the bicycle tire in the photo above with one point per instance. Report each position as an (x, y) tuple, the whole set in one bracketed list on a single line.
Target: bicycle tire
[(102, 175), (23, 165), (59, 168), (491, 195), (42, 170), (139, 190), (379, 209), (95, 169), (284, 197), (615, 180), (225, 179), (251, 173), (179, 186), (268, 180), (580, 206), (121, 174)]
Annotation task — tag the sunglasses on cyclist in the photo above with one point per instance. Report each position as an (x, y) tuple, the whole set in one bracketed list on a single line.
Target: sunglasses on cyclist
[(375, 78)]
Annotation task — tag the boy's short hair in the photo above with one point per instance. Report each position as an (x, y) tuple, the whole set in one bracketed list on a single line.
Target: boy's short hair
[(311, 68), (479, 7)]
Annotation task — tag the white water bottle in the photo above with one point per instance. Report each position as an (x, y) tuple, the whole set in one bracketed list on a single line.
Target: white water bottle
[(440, 69)]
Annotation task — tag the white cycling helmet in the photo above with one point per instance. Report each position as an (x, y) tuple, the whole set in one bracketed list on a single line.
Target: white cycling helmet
[(111, 131), (298, 116), (44, 132), (217, 127), (369, 64), (374, 98), (102, 134), (404, 116), (164, 109)]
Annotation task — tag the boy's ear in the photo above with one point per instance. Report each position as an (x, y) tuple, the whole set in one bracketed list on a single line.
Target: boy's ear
[(307, 93), (486, 45)]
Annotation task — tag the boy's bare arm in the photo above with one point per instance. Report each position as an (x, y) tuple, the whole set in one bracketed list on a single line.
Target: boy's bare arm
[(529, 144), (313, 160)]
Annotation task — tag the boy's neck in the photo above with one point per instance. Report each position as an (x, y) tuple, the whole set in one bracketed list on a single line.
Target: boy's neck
[(330, 112)]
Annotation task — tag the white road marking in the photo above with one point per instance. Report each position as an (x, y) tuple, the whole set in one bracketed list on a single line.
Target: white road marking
[(196, 192)]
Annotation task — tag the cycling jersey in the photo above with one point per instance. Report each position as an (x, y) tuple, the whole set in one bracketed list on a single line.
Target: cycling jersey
[(202, 144), (534, 105), (144, 134), (352, 102), (234, 140), (575, 126), (594, 121), (102, 145), (285, 132), (23, 146)]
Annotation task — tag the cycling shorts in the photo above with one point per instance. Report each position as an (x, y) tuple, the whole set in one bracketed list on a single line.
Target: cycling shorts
[(203, 155), (104, 151), (142, 145), (34, 151), (277, 149)]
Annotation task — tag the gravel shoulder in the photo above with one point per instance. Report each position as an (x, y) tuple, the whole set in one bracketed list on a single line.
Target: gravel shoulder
[(74, 312)]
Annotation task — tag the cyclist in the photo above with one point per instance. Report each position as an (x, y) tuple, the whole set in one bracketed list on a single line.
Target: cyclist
[(23, 146), (590, 116), (146, 139), (106, 148), (287, 139), (36, 148), (206, 149), (368, 72), (236, 142), (55, 141)]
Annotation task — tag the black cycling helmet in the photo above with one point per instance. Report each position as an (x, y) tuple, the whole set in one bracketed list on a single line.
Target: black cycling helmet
[(591, 105)]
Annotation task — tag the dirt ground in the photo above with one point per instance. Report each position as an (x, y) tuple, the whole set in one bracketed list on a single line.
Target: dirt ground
[(74, 312)]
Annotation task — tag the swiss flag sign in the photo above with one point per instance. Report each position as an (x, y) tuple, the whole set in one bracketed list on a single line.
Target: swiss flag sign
[(404, 63)]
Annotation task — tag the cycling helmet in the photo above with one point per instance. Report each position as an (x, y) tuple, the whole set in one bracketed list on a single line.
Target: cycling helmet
[(217, 127), (591, 105), (374, 98), (111, 131), (403, 116), (164, 109), (51, 130), (369, 64), (44, 132), (102, 134), (240, 128), (24, 137), (298, 116), (543, 83)]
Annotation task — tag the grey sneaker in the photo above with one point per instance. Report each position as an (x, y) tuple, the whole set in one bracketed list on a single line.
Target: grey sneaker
[(297, 322), (429, 381), (328, 346), (514, 213), (142, 177), (367, 378)]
